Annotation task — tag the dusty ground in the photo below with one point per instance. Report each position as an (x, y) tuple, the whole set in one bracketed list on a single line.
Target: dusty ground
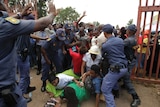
[(148, 94)]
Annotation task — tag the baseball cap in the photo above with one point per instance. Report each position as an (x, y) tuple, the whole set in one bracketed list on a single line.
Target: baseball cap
[(66, 26), (94, 50), (108, 28), (61, 34), (132, 27)]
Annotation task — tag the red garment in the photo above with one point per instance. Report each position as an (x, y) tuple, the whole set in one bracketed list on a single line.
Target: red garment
[(140, 39), (76, 60)]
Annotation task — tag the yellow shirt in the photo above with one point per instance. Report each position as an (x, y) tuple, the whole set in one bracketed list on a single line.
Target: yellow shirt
[(144, 49)]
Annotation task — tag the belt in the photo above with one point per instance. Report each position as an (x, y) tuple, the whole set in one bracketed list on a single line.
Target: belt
[(7, 87), (116, 68)]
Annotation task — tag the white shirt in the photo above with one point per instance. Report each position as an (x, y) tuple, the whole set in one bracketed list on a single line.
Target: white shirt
[(101, 39), (94, 41), (89, 62), (63, 80)]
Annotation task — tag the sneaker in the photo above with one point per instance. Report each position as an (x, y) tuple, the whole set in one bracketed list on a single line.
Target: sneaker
[(115, 93), (30, 89), (135, 102)]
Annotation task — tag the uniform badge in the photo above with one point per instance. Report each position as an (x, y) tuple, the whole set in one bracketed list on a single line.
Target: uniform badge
[(12, 20), (54, 44), (48, 39)]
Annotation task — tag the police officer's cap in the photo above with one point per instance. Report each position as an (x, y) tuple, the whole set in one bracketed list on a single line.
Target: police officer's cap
[(108, 28), (61, 34), (132, 27), (66, 26)]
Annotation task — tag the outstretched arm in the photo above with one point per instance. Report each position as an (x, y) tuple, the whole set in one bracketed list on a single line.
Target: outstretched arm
[(43, 22), (77, 22)]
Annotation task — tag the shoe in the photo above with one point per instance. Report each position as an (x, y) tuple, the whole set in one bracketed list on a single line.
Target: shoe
[(38, 72), (115, 93), (43, 88), (28, 99), (135, 102), (123, 86), (30, 89)]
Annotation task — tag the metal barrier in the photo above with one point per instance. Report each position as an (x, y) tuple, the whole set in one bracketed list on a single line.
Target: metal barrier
[(148, 20)]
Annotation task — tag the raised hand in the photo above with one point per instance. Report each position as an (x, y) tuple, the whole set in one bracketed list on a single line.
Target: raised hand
[(52, 8), (24, 11)]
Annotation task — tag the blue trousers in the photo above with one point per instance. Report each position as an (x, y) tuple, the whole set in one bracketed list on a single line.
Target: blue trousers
[(46, 68), (109, 83), (142, 60), (21, 101), (24, 70), (126, 79)]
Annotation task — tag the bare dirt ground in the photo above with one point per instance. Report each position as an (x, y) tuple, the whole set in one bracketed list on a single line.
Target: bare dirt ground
[(149, 95)]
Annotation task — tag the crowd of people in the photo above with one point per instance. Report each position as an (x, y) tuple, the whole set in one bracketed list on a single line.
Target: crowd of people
[(99, 56)]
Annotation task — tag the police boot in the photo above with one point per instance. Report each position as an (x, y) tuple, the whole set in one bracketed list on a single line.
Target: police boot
[(43, 88), (30, 89), (136, 101), (115, 93), (38, 72)]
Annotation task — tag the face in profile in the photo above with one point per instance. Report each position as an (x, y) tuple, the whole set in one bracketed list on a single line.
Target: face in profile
[(55, 82), (92, 73)]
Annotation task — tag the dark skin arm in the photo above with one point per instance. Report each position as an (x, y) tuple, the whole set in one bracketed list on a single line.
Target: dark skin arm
[(84, 14), (97, 100), (42, 22), (45, 56)]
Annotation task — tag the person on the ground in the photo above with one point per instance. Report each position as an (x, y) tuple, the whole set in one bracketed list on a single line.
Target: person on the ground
[(114, 49), (10, 29), (74, 95), (60, 81)]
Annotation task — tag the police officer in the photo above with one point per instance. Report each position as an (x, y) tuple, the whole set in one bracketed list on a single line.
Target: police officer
[(129, 44), (50, 55), (10, 29), (114, 50), (23, 63)]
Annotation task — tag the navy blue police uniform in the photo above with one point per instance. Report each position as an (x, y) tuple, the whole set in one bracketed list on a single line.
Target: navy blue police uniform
[(114, 50), (23, 62), (10, 29), (129, 43), (51, 48)]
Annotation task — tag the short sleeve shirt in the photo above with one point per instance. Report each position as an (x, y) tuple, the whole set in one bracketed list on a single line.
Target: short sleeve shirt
[(114, 49), (8, 34), (51, 47), (89, 62), (97, 84), (63, 80)]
